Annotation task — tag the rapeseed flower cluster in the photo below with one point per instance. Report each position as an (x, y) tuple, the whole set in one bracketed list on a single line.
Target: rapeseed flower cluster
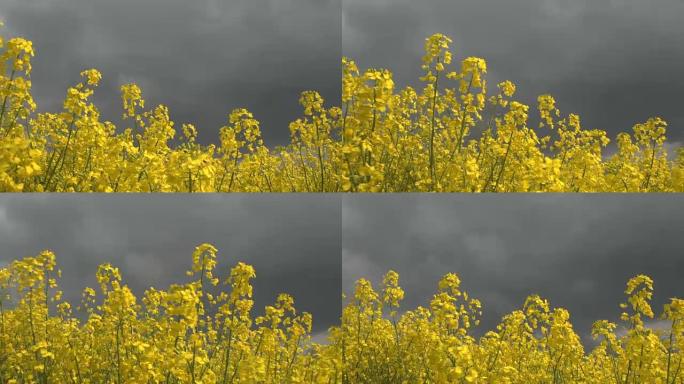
[(448, 136), (204, 331), (534, 344)]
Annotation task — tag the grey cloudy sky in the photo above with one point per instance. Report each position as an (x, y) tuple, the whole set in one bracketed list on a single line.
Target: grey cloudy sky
[(578, 251), (614, 62), (201, 58), (293, 241)]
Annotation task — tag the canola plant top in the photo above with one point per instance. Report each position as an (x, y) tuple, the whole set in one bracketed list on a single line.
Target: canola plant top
[(450, 136), (190, 333)]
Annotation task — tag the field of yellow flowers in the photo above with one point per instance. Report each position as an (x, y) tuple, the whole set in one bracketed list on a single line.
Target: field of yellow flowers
[(187, 334), (449, 136)]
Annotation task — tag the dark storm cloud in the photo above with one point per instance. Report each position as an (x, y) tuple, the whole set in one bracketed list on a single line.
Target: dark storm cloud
[(615, 63), (201, 58), (292, 241), (578, 251)]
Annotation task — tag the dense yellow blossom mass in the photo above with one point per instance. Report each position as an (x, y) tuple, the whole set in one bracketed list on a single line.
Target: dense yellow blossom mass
[(204, 331), (449, 136)]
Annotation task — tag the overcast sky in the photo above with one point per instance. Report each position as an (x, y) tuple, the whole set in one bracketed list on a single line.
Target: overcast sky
[(293, 241), (614, 62), (201, 58), (578, 251)]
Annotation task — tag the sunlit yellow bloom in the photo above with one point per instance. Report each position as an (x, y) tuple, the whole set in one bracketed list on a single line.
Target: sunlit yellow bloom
[(449, 136)]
